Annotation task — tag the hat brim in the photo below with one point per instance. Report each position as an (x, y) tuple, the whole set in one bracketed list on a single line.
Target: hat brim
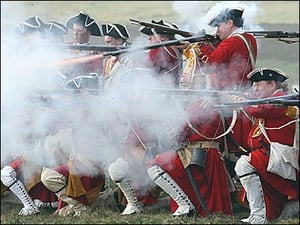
[(117, 31), (146, 30), (81, 19), (261, 74)]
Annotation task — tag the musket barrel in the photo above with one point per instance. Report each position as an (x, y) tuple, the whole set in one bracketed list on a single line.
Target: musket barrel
[(274, 34), (162, 28), (99, 48), (197, 38), (285, 100)]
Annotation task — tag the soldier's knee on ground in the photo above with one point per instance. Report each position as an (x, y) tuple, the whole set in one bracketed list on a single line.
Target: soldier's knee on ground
[(243, 166), (53, 180), (118, 169), (8, 176)]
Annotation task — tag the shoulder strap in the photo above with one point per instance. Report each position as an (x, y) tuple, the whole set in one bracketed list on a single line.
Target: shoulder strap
[(248, 45)]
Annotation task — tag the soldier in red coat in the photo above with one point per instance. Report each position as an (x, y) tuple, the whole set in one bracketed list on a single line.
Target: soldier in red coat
[(234, 56), (225, 63), (166, 62), (228, 62), (196, 166), (269, 192), (129, 170)]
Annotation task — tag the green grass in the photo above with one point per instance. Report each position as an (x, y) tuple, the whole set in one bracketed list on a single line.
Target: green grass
[(109, 215)]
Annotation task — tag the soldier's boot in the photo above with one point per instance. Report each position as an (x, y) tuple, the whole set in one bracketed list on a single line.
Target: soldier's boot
[(9, 179), (166, 182), (118, 171), (133, 206), (251, 182), (56, 183), (41, 204)]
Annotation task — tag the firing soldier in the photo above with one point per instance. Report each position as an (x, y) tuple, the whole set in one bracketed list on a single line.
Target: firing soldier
[(227, 64), (166, 61), (230, 60), (193, 173), (129, 171), (114, 67), (270, 184)]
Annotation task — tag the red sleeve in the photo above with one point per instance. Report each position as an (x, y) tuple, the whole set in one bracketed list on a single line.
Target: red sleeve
[(229, 62), (267, 110)]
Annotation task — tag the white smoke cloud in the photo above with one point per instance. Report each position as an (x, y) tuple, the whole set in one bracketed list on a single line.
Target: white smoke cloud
[(31, 109), (194, 16), (35, 106)]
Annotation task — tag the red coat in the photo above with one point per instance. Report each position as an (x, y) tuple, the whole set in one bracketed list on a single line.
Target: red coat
[(239, 134), (229, 63), (275, 188), (166, 61), (212, 181)]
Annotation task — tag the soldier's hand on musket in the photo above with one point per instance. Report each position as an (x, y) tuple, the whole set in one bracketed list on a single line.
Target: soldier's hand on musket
[(183, 45), (215, 41), (95, 52)]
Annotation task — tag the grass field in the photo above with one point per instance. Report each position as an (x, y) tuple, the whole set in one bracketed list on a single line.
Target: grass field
[(109, 215), (279, 15)]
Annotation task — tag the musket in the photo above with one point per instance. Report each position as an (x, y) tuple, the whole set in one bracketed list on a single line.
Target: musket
[(196, 190), (169, 30), (162, 28), (193, 91), (196, 38), (101, 55), (96, 48), (257, 34), (276, 34), (285, 100)]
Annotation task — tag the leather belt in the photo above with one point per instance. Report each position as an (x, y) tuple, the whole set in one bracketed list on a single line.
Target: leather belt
[(205, 144)]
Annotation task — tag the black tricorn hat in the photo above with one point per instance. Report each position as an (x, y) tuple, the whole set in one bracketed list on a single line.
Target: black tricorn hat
[(86, 21), (229, 13), (115, 30), (148, 30), (30, 25), (267, 74), (56, 27)]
